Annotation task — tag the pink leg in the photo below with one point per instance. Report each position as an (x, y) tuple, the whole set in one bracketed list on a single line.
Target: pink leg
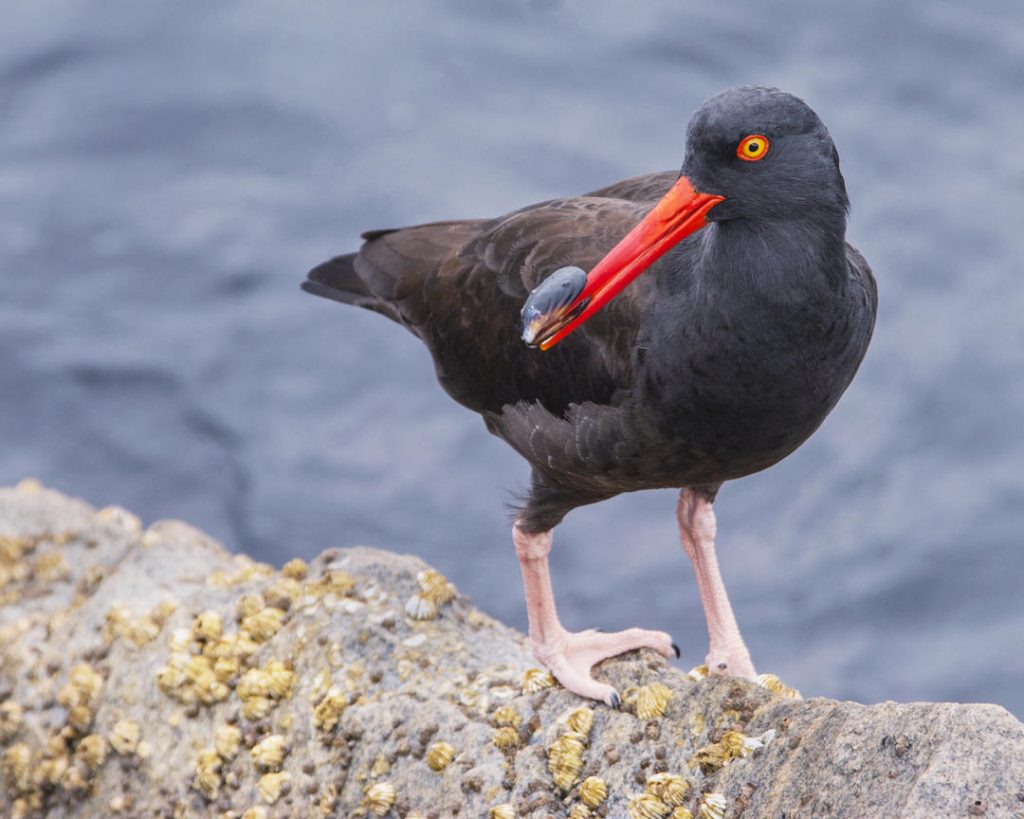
[(568, 655), (728, 654)]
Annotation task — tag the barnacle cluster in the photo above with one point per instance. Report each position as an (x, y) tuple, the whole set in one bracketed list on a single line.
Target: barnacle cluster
[(662, 798), (565, 754), (260, 689), (248, 569), (648, 701), (435, 591), (732, 745), (270, 786), (80, 696), (208, 779), (328, 711), (137, 630)]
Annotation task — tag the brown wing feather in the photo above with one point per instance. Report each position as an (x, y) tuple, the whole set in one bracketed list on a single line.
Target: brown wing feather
[(459, 286)]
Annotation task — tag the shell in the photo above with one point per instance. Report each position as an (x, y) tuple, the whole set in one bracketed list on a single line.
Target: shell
[(712, 806), (651, 700), (440, 755), (593, 791), (124, 737), (506, 715), (435, 587), (777, 686), (419, 607), (506, 737), (226, 740), (537, 679), (670, 788), (581, 720), (502, 811), (208, 626), (296, 569), (271, 785), (379, 798), (269, 753), (328, 711), (647, 806)]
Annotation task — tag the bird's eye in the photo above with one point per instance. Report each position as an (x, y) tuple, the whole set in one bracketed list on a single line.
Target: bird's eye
[(753, 147)]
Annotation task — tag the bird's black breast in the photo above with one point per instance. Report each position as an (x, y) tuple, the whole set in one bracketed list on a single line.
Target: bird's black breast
[(745, 370)]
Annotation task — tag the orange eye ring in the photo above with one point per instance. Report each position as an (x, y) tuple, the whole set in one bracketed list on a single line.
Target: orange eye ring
[(753, 147)]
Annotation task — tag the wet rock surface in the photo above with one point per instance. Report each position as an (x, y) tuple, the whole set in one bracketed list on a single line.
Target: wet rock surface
[(148, 672)]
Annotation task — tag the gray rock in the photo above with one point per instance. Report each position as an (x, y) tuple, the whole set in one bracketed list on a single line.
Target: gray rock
[(148, 672)]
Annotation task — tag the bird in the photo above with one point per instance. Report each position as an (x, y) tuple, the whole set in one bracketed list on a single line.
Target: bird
[(675, 330)]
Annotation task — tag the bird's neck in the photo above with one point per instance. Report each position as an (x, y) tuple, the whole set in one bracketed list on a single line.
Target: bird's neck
[(764, 260)]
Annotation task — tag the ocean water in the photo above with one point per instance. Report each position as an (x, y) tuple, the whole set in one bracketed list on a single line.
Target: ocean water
[(168, 172)]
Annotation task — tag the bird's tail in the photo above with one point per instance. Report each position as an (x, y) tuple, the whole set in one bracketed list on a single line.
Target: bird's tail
[(337, 279)]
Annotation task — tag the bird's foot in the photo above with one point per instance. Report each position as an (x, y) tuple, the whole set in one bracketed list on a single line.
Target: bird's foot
[(571, 656), (731, 662)]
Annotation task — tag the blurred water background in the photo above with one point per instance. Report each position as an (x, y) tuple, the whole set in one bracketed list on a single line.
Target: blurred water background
[(168, 172)]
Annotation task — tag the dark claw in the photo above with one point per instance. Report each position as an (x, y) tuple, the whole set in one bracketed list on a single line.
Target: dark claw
[(675, 648), (616, 703)]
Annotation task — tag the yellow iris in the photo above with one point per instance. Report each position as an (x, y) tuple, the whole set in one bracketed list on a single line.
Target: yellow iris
[(753, 147)]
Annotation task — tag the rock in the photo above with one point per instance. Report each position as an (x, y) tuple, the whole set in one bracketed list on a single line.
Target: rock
[(149, 673)]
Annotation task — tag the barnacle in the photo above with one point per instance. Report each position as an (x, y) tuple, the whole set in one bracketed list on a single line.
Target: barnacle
[(579, 811), (647, 806), (92, 750), (670, 788), (328, 711), (502, 811), (264, 624), (593, 791), (536, 679), (296, 569), (335, 582), (260, 689), (15, 766), (435, 586), (506, 737), (268, 753), (506, 715), (777, 686), (226, 740), (650, 701), (249, 604), (10, 719), (680, 813), (440, 755), (258, 812), (271, 785), (208, 779), (419, 607), (124, 736), (565, 759), (698, 672), (208, 626), (732, 745), (581, 720), (712, 806), (379, 798)]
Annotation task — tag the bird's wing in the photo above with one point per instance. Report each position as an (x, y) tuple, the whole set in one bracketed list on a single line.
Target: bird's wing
[(460, 286)]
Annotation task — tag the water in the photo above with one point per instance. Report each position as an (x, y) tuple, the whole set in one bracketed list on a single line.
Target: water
[(168, 172)]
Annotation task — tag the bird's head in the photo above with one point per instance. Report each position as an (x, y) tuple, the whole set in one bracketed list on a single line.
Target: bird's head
[(751, 153)]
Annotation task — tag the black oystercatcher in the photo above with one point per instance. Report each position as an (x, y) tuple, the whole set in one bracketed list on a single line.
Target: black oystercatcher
[(750, 323)]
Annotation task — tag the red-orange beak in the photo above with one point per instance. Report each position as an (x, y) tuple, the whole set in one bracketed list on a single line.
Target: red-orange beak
[(548, 316)]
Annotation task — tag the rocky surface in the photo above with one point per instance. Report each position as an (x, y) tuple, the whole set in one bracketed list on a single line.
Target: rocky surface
[(148, 672)]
